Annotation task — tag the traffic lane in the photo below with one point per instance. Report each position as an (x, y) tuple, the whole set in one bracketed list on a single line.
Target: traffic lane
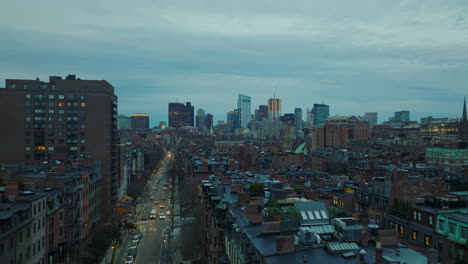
[(147, 249)]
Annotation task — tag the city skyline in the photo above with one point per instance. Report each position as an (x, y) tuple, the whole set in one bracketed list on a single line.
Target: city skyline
[(381, 57)]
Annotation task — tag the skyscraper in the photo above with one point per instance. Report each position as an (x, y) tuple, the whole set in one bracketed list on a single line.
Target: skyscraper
[(233, 119), (320, 112), (209, 121), (243, 106), (402, 116), (463, 129), (200, 119), (140, 121), (371, 117), (274, 108), (181, 115), (60, 120), (298, 119), (123, 122)]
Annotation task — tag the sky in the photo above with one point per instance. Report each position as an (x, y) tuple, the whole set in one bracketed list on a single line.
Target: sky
[(357, 56)]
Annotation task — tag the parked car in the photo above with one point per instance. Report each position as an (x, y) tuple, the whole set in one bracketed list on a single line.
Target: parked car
[(129, 260), (133, 246), (145, 217)]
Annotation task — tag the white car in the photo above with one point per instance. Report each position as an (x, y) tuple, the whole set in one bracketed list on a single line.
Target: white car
[(133, 246), (135, 241), (129, 260)]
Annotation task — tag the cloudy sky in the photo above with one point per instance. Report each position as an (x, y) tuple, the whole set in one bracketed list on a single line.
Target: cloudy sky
[(356, 56)]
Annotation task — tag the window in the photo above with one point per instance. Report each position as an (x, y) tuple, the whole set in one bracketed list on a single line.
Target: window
[(50, 148), (50, 118), (82, 97), (51, 111), (34, 210), (28, 103), (28, 96), (415, 235), (419, 216), (28, 118), (464, 233), (12, 85), (82, 141), (402, 229), (83, 104), (427, 240), (450, 252), (451, 228), (61, 96), (430, 219), (82, 126), (27, 86), (442, 225), (61, 111), (51, 103), (43, 86), (414, 215), (28, 148), (51, 96), (60, 104), (28, 111), (73, 148)]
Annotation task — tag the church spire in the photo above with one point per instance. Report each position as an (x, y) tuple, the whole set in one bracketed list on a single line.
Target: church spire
[(464, 118)]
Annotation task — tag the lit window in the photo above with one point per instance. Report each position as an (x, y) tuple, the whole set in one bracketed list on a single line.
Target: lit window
[(61, 96), (82, 126), (12, 85), (28, 118), (27, 86), (83, 104), (60, 104), (51, 103), (415, 235), (82, 141), (51, 111), (50, 148), (28, 96), (419, 216), (402, 229), (51, 96), (61, 111), (414, 215), (430, 220), (40, 148), (28, 148), (427, 240)]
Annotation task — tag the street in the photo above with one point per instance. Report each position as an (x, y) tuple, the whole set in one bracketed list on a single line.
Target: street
[(157, 196)]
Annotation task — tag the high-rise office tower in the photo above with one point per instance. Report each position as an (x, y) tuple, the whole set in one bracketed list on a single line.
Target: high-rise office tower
[(181, 115), (233, 119), (463, 128), (274, 108), (298, 119), (262, 112), (59, 120), (371, 117), (140, 121), (123, 122), (320, 112), (209, 121), (402, 116), (243, 107), (200, 119)]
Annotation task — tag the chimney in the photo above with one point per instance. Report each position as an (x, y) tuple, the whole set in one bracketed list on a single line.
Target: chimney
[(378, 253), (285, 244), (11, 190)]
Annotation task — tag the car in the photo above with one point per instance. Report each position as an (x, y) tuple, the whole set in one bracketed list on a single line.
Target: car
[(162, 217), (163, 198), (135, 241), (133, 246), (129, 260), (164, 188), (145, 217), (156, 202), (162, 206), (137, 235), (132, 252)]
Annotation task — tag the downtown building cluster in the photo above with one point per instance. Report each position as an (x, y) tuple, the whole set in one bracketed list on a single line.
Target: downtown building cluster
[(340, 189), (67, 172)]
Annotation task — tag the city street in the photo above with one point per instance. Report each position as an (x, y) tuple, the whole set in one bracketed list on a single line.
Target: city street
[(157, 194)]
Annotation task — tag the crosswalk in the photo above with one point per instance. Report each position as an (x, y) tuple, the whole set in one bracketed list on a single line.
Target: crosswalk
[(148, 229)]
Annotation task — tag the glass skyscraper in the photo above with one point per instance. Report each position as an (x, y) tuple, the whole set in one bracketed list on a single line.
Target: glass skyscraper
[(320, 112), (243, 106)]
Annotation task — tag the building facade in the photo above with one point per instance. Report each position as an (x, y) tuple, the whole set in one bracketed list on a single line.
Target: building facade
[(371, 117), (320, 112), (181, 115), (140, 121), (59, 120), (274, 108), (402, 116), (244, 106)]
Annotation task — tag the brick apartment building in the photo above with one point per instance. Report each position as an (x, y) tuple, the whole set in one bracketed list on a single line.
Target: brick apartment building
[(62, 119)]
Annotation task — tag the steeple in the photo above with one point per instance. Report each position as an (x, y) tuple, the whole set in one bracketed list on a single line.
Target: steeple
[(464, 118)]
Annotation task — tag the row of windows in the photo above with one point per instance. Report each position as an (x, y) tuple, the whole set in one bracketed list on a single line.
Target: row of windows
[(52, 104), (51, 126), (52, 96), (417, 216)]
